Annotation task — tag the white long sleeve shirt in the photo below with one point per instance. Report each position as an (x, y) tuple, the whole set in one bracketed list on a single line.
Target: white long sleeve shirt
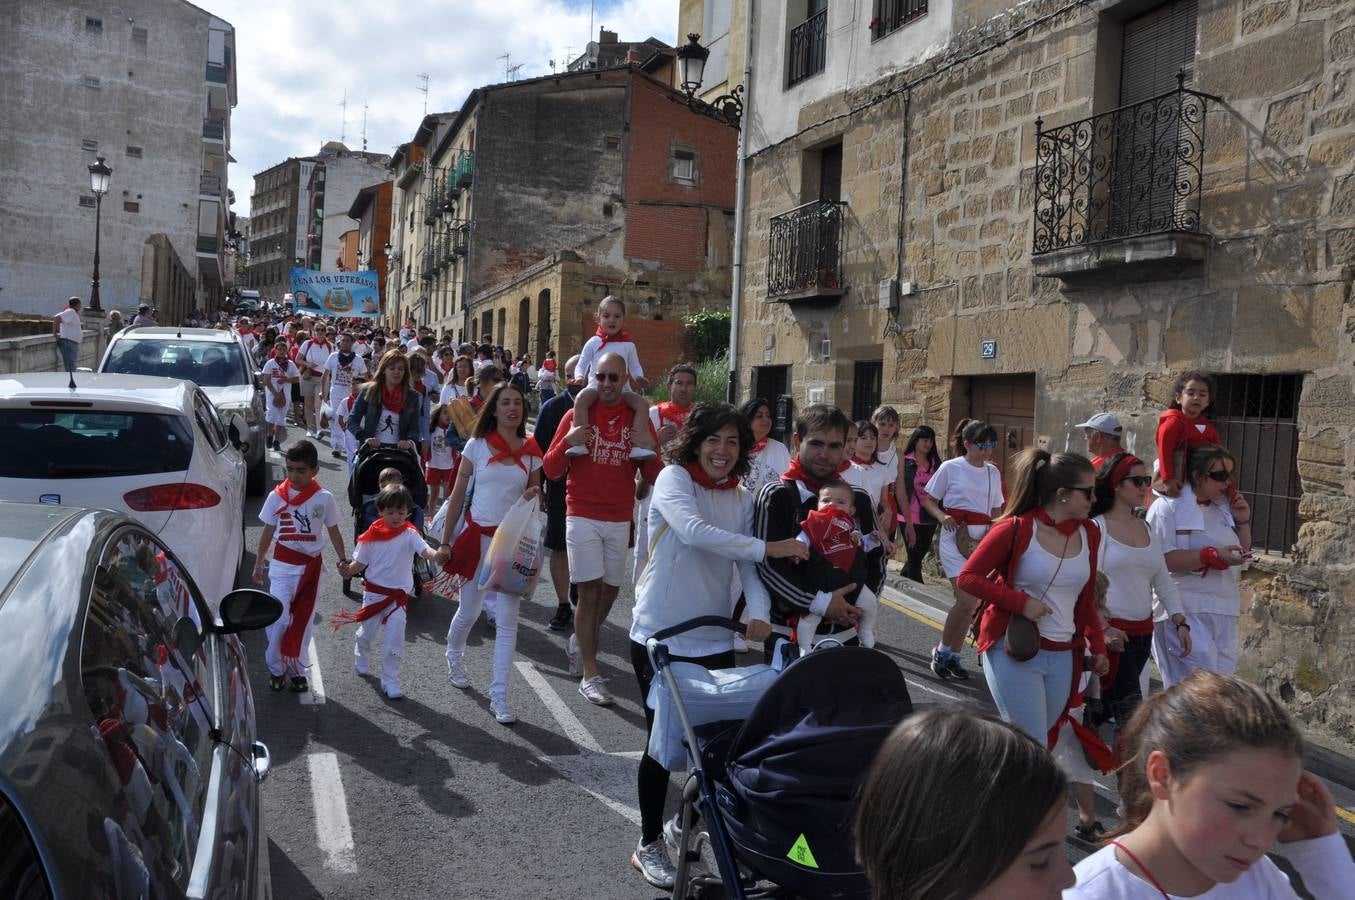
[(698, 537)]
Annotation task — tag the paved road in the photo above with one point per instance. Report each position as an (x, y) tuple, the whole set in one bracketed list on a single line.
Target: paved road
[(430, 797)]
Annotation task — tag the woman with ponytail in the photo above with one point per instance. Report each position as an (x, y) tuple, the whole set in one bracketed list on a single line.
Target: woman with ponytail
[(1036, 571), (1214, 778)]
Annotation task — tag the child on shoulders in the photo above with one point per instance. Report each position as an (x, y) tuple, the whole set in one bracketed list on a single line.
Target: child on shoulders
[(609, 338)]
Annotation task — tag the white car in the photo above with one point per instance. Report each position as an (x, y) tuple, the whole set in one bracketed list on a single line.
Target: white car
[(153, 448)]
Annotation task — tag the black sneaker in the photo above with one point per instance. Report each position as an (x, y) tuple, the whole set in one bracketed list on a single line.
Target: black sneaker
[(952, 664), (276, 683), (563, 619), (939, 667)]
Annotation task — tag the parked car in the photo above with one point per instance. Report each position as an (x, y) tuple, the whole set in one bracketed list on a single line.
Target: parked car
[(153, 448), (216, 361), (129, 761)]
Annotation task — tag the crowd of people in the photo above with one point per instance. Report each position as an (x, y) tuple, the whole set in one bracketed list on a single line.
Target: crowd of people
[(1066, 588)]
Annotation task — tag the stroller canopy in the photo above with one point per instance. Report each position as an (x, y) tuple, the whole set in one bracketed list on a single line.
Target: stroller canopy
[(367, 471)]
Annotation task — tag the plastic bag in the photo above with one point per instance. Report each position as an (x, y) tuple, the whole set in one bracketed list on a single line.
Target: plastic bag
[(512, 564), (710, 695)]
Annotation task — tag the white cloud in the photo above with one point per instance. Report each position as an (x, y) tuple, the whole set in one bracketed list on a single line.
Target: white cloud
[(295, 60)]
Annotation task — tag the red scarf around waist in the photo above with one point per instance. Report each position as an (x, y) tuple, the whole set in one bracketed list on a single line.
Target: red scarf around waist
[(969, 517), (797, 472), (700, 477), (303, 601), (395, 598), (466, 548), (504, 451), (618, 338), (1133, 628)]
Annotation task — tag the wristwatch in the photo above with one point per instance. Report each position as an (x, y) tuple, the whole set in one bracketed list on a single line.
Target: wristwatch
[(1179, 620)]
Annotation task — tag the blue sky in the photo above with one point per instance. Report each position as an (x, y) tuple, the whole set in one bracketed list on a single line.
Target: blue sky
[(296, 60)]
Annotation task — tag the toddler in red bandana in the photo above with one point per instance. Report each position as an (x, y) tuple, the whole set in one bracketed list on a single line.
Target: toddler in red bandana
[(833, 532)]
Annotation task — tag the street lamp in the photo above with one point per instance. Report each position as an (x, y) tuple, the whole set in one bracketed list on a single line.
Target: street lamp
[(726, 108), (99, 175)]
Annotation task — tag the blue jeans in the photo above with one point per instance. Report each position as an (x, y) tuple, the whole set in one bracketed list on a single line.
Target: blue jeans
[(70, 353), (1031, 694)]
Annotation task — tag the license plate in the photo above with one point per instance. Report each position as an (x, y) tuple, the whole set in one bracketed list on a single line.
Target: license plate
[(52, 499)]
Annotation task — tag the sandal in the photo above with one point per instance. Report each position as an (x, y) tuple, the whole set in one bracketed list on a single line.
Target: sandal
[(299, 684), (276, 683), (1091, 832)]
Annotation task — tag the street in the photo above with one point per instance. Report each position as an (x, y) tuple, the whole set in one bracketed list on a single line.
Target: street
[(429, 797)]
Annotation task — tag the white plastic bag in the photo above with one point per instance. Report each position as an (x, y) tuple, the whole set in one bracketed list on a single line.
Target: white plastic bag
[(710, 695), (512, 564)]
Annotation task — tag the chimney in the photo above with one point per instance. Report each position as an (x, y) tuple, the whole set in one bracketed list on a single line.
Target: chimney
[(606, 37), (632, 57)]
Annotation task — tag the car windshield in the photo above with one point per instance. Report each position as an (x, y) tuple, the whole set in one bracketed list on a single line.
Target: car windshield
[(206, 363), (48, 443)]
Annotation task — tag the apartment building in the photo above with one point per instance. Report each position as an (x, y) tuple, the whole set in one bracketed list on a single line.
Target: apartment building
[(280, 216)]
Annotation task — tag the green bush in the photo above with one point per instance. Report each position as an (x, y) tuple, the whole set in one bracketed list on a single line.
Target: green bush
[(712, 382), (709, 334)]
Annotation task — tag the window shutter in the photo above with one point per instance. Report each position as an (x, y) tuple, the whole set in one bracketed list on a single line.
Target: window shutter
[(1157, 45)]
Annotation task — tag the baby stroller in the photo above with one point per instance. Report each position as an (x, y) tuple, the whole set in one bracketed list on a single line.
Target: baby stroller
[(777, 791), (363, 487)]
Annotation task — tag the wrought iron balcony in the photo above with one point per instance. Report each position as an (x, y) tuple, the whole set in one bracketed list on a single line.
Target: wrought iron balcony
[(804, 256), (1128, 173), (465, 166), (894, 14), (460, 239), (218, 73), (213, 130), (808, 48)]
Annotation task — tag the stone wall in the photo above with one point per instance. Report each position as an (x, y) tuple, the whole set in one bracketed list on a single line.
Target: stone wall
[(38, 353)]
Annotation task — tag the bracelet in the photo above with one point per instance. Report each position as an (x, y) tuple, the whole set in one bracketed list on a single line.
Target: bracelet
[(1236, 522)]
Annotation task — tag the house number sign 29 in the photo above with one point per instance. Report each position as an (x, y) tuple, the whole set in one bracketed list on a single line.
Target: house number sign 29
[(988, 350)]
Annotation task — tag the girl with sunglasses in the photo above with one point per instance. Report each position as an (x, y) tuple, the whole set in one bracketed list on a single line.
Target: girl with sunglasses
[(1205, 537), (1131, 557)]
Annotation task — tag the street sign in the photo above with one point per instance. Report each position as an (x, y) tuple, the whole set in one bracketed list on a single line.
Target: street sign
[(988, 350)]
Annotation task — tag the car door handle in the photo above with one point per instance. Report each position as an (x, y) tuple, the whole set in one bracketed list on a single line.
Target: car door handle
[(262, 760)]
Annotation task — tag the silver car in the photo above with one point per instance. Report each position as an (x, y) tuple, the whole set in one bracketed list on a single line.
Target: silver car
[(216, 361), (129, 765)]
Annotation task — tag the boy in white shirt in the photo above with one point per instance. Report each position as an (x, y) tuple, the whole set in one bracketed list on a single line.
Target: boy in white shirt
[(296, 511), (279, 374), (385, 552)]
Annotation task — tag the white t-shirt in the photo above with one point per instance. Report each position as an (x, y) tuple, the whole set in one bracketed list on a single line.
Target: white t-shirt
[(363, 349), (887, 461), (250, 340), (391, 563), (314, 355), (68, 326), (451, 392), (341, 376), (1324, 863), (1136, 574), (868, 477), (274, 372), (388, 426), (592, 349), (301, 528), (1216, 592), (766, 465), (441, 454), (958, 485), (498, 486)]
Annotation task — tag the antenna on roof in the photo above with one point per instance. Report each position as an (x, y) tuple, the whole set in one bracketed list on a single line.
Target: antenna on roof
[(343, 124), (364, 126), (423, 89)]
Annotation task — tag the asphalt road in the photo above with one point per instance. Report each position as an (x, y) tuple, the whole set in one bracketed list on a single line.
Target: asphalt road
[(430, 797)]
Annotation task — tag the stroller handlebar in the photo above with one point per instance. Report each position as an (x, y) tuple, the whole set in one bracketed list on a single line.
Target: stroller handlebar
[(700, 622)]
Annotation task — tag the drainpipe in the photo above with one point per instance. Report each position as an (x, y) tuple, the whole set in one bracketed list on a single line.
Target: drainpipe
[(736, 294)]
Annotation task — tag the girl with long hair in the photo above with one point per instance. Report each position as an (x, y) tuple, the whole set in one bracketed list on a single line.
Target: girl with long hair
[(920, 460)]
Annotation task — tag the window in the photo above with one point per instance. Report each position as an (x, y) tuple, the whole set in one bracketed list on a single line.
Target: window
[(891, 15), (90, 81), (131, 206), (682, 165), (86, 200), (150, 703), (134, 152), (140, 35), (613, 142), (206, 414), (89, 145), (93, 25), (866, 385), (807, 50), (1257, 420)]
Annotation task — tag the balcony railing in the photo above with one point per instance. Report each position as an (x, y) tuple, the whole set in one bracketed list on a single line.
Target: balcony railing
[(213, 130), (465, 166), (218, 73), (808, 48), (460, 239), (1133, 171), (209, 185), (207, 244), (891, 15), (804, 257)]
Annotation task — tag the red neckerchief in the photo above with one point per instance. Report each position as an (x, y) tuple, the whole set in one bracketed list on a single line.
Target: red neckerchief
[(862, 462), (700, 477), (503, 450), (673, 413), (1065, 528), (796, 472), (476, 401), (284, 492), (829, 529), (394, 400), (760, 445), (619, 337), (380, 531)]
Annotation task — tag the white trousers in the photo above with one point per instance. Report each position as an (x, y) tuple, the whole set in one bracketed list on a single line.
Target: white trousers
[(282, 581), (1213, 646), (870, 611), (642, 535), (505, 629), (336, 436), (392, 641)]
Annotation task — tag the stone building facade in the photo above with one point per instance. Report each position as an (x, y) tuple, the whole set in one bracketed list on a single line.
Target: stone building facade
[(278, 224), (988, 236)]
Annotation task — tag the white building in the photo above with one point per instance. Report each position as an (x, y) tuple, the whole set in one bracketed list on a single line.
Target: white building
[(150, 89)]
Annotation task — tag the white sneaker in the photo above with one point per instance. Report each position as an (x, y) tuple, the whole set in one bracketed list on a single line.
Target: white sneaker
[(642, 453), (502, 714), (393, 691), (740, 645), (867, 638), (360, 665), (594, 690), (456, 674), (572, 651), (653, 862), (577, 450)]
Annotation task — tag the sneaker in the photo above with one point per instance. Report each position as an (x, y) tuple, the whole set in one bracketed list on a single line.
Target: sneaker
[(337, 454), (954, 668), (276, 683), (594, 690), (572, 651), (672, 830), (502, 714), (740, 645), (563, 619), (653, 862), (360, 665), (1091, 832), (456, 674), (393, 691), (642, 453), (299, 684), (939, 667), (577, 450)]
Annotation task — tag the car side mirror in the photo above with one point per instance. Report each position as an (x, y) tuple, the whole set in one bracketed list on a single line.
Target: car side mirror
[(248, 609), (258, 380), (187, 637), (234, 429)]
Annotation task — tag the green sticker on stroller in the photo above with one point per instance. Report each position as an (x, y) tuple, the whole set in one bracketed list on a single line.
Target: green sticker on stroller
[(800, 853)]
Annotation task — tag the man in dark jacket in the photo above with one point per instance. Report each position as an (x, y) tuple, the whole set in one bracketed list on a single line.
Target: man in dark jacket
[(819, 445), (547, 423)]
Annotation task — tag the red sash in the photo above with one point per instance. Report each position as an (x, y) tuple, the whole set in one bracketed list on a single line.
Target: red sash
[(969, 517), (1133, 628), (303, 601), (394, 599), (466, 549)]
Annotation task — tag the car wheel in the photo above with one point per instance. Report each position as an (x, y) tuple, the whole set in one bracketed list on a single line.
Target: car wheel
[(256, 478)]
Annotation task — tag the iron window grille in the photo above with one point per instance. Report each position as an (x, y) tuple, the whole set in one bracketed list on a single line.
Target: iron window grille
[(867, 385), (1133, 171), (804, 251), (808, 48), (891, 15)]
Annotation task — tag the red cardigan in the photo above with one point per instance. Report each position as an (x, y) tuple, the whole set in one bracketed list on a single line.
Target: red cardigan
[(997, 556)]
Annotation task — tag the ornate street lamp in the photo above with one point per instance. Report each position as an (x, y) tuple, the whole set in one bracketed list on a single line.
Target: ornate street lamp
[(99, 176), (726, 108)]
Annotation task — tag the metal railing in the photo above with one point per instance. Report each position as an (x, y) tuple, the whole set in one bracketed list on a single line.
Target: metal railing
[(460, 238), (1133, 171), (214, 130), (218, 73), (808, 48), (891, 15), (209, 185), (465, 166), (805, 249)]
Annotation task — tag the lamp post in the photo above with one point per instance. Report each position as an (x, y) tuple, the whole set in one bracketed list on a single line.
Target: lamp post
[(99, 175), (691, 58)]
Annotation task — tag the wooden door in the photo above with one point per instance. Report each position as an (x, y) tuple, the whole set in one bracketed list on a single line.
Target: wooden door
[(1007, 402)]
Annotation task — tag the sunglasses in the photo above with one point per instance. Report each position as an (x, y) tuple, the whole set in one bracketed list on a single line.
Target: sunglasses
[(1222, 476), (1139, 481), (607, 376), (1086, 491), (986, 445)]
